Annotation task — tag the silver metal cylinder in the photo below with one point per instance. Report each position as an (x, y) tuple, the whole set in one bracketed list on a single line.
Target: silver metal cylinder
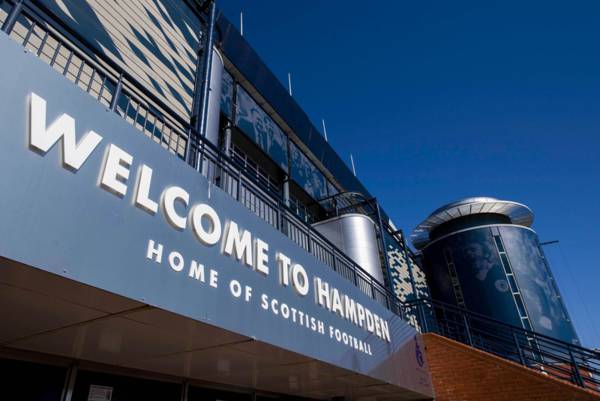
[(214, 98), (355, 235)]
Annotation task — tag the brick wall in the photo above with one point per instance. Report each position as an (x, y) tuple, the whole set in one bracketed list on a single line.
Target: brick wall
[(462, 373)]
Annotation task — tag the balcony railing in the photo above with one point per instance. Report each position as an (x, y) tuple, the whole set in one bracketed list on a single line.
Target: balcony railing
[(53, 41), (559, 359)]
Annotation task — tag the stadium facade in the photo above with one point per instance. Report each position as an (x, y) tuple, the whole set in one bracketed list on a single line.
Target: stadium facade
[(176, 228), (173, 219)]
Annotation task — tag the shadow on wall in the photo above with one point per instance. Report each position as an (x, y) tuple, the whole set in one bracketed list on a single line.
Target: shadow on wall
[(75, 13), (157, 40)]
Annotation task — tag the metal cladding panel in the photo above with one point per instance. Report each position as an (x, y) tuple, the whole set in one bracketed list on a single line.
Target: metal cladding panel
[(542, 299), (155, 41), (408, 280), (482, 280), (62, 221), (355, 235)]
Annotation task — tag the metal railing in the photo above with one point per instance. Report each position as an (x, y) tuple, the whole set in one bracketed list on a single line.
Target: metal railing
[(559, 359), (52, 40)]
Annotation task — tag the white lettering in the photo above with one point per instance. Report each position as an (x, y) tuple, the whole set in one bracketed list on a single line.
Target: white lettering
[(212, 235), (236, 288), (350, 309), (42, 139), (385, 331), (176, 261), (300, 279), (196, 271), (169, 197), (284, 265), (142, 191), (322, 293), (214, 278), (247, 293), (361, 314), (336, 302), (116, 170), (370, 324), (154, 252), (264, 301), (240, 243), (261, 256)]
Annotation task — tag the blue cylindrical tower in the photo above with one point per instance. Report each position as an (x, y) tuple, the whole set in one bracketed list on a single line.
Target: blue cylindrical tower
[(481, 254)]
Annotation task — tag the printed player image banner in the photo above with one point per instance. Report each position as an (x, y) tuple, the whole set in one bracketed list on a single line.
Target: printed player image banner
[(85, 196)]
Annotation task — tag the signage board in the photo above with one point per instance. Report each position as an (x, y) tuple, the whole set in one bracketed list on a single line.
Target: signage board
[(87, 197)]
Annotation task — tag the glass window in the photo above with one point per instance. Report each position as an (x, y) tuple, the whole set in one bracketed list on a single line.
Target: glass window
[(505, 263), (307, 175), (227, 94), (499, 243), (520, 305), (512, 282), (260, 128), (331, 189)]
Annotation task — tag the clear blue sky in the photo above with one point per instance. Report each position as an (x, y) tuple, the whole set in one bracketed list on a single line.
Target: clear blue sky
[(440, 100)]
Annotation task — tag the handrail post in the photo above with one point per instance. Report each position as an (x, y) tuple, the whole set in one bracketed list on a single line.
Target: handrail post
[(115, 99), (467, 329), (372, 287), (11, 19), (519, 350), (577, 375), (424, 323), (334, 261)]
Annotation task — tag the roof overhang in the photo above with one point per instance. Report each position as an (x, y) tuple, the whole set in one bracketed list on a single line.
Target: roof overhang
[(518, 214)]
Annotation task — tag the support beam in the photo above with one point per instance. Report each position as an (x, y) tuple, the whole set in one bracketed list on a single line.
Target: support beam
[(67, 394)]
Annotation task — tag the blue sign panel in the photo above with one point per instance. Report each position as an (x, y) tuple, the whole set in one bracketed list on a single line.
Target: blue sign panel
[(87, 197)]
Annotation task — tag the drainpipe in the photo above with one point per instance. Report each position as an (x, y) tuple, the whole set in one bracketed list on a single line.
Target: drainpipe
[(200, 117)]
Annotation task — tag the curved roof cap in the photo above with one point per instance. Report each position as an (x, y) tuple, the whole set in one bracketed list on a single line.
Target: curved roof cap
[(516, 212)]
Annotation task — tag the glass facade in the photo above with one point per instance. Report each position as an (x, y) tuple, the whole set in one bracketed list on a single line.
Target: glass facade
[(306, 174), (17, 383), (123, 388), (539, 293), (331, 189), (478, 273), (500, 273), (257, 125), (227, 94), (253, 121)]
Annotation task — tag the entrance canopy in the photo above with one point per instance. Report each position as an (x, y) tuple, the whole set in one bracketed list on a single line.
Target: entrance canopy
[(53, 315)]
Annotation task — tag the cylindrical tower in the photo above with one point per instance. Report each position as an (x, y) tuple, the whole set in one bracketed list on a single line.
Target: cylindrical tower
[(481, 254), (355, 234)]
